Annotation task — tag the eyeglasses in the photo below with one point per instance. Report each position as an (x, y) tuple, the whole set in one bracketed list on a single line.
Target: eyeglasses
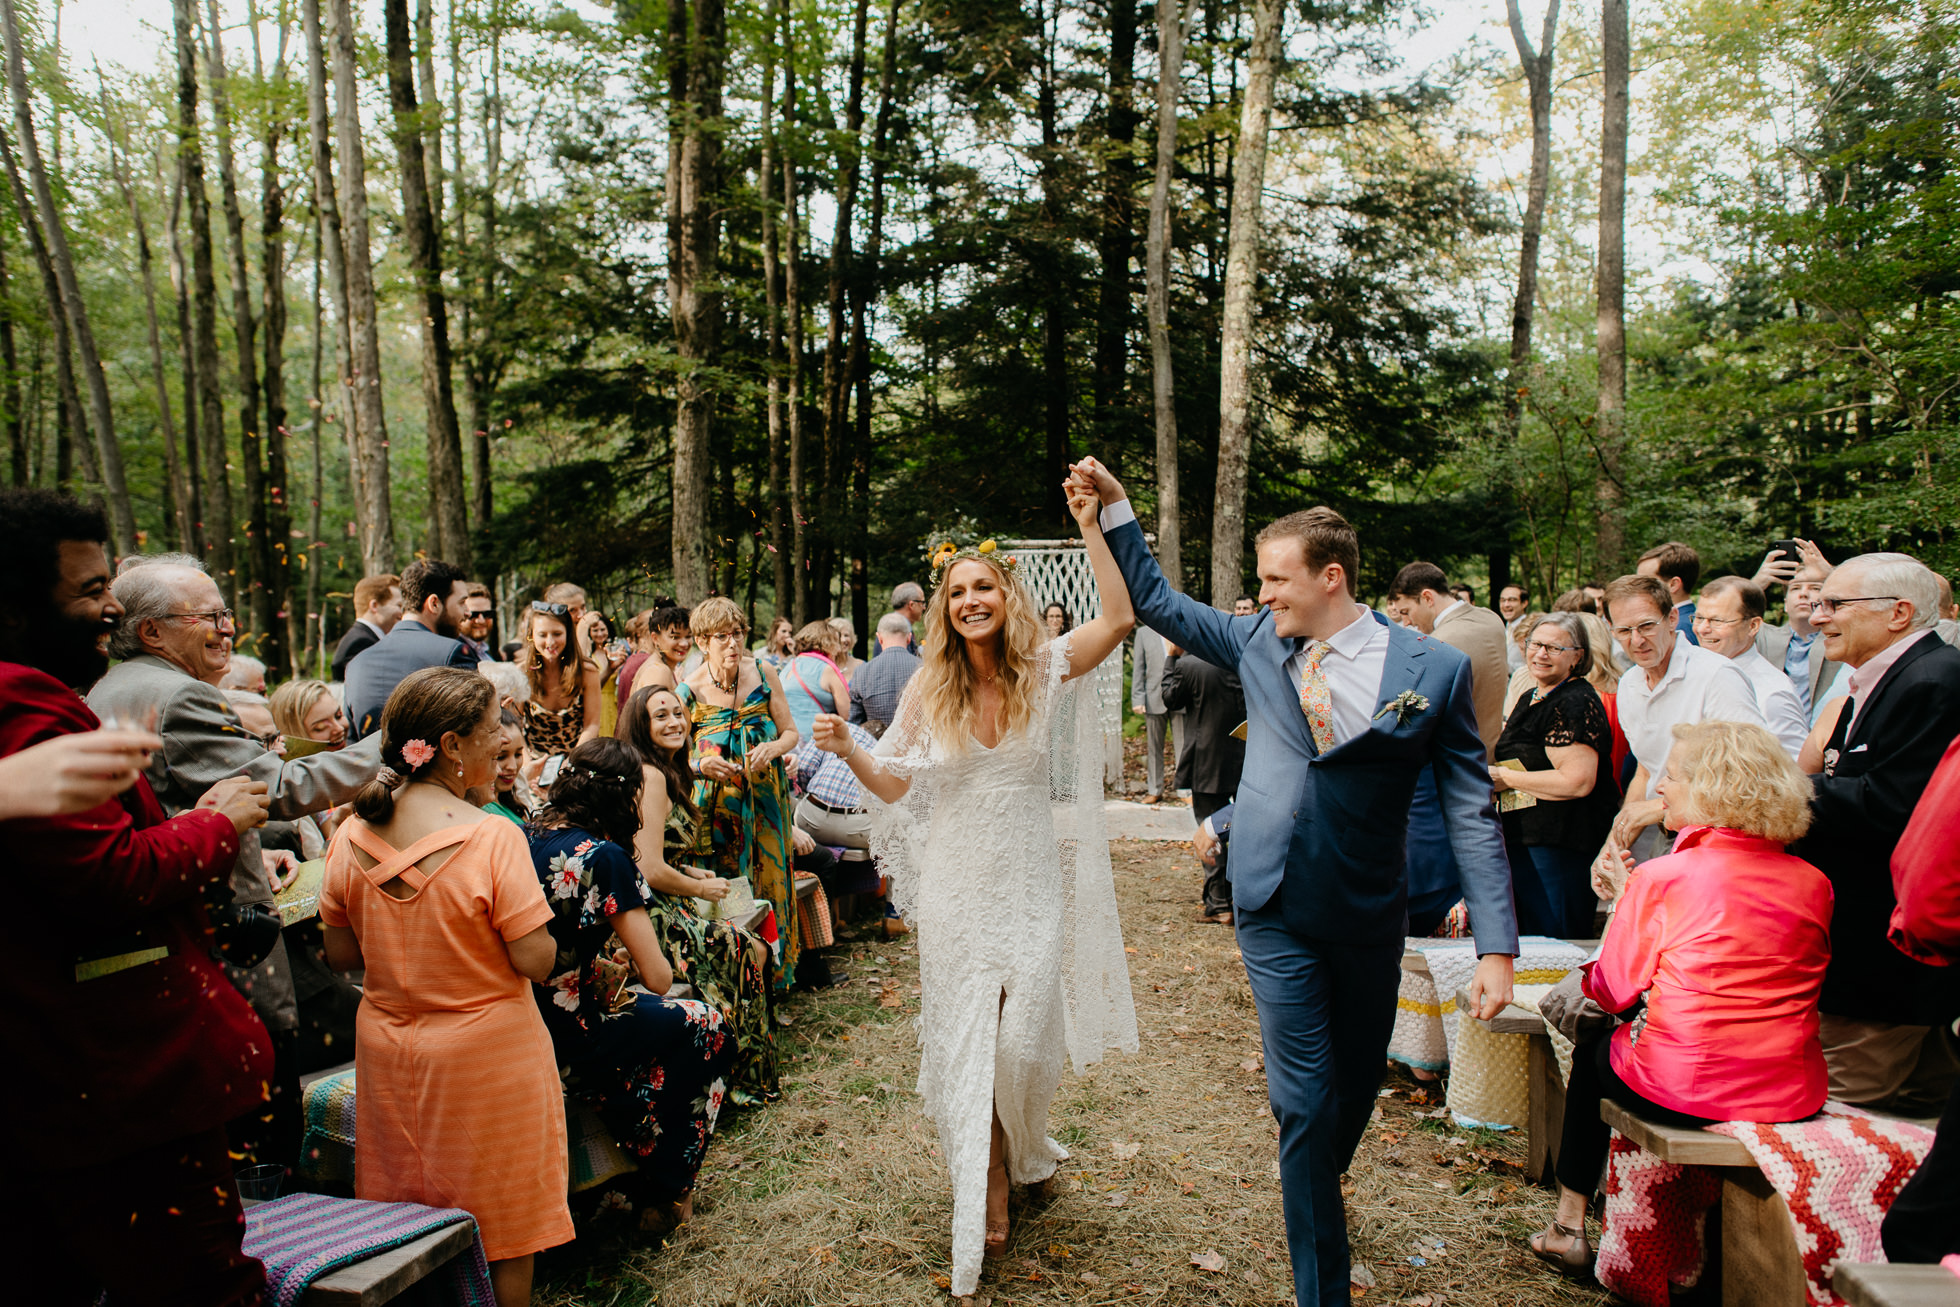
[(1701, 619), (1534, 646), (549, 610), (723, 637), (476, 615), (1645, 630), (216, 616), (1824, 603)]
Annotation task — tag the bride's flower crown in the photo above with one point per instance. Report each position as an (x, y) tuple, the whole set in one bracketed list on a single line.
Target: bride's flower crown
[(949, 553)]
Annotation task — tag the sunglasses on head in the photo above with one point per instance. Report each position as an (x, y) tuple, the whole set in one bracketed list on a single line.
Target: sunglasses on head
[(550, 610)]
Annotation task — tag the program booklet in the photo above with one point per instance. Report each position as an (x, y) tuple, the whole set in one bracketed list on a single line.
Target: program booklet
[(1512, 800)]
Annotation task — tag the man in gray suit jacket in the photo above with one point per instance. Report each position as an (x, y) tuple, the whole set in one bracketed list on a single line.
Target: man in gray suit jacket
[(175, 642), (1798, 649), (1147, 658), (435, 599)]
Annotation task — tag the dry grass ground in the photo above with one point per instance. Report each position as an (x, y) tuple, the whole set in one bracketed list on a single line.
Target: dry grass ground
[(837, 1195)]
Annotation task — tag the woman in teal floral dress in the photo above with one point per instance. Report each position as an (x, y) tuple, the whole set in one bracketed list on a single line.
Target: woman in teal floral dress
[(655, 1069), (742, 729), (727, 966)]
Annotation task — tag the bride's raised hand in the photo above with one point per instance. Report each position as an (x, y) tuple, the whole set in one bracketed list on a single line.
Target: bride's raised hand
[(1084, 506), (830, 734)]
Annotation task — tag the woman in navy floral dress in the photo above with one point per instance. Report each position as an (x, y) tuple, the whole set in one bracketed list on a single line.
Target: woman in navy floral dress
[(655, 1069)]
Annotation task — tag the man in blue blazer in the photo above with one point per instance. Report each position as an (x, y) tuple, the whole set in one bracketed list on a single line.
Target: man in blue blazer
[(1345, 712), (435, 595)]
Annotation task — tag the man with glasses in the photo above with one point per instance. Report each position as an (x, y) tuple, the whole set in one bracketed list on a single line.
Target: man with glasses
[(479, 620), (175, 644), (1512, 604), (1728, 620), (1883, 1012), (430, 634), (1671, 683), (1797, 648)]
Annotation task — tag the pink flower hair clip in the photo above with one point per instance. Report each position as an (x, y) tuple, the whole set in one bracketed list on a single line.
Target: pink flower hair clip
[(417, 752)]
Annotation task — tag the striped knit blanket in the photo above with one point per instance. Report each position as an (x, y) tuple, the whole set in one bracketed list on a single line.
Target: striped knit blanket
[(1838, 1173), (327, 1148), (305, 1236)]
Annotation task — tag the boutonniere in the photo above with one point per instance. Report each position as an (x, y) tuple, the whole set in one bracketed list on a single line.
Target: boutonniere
[(1404, 705), (1830, 762)]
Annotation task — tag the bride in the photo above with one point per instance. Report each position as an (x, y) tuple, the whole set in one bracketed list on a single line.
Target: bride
[(987, 803)]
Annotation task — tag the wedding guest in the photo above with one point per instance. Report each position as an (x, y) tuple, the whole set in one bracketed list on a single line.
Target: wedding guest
[(377, 607), (727, 966), (124, 1066), (480, 623), (1574, 601), (563, 710), (1726, 939), (245, 673), (1677, 567), (307, 710), (1056, 617), (428, 635), (742, 729), (175, 633), (1727, 622), (1798, 647), (459, 1103), (812, 681), (512, 680), (1558, 731), (506, 795), (1213, 704), (844, 652), (909, 602), (640, 637), (255, 719), (1512, 603), (572, 596), (1520, 682), (780, 645), (671, 642), (878, 685), (654, 1068), (1147, 658)]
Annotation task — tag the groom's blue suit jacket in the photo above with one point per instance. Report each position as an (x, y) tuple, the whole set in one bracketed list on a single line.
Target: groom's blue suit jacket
[(1332, 828)]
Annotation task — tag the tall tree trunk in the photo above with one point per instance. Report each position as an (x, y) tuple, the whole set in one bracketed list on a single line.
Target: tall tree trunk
[(799, 462), (1241, 282), (316, 403), (180, 287), (70, 434), (287, 637), (772, 327), (364, 376), (179, 510), (326, 210), (836, 369), (1054, 324), (121, 519), (1610, 545), (864, 299), (244, 326), (17, 469), (476, 382), (1537, 66), (697, 307), (431, 100), (1173, 24), (448, 519), (1117, 239), (219, 522)]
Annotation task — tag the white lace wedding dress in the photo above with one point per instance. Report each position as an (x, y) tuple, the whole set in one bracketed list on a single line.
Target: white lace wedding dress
[(999, 862)]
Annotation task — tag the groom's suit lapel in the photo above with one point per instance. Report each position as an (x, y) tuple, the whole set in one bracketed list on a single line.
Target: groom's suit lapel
[(1401, 670)]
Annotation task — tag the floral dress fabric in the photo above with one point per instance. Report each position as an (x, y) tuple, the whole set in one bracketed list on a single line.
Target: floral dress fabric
[(718, 958), (655, 1069), (745, 826)]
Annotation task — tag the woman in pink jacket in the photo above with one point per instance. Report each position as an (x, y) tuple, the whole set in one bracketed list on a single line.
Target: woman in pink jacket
[(1725, 940)]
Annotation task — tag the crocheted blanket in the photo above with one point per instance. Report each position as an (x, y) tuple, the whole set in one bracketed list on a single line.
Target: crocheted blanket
[(303, 1237), (327, 1147), (1837, 1172)]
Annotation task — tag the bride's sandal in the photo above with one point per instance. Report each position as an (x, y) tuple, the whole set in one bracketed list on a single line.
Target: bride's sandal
[(1575, 1259), (997, 1223)]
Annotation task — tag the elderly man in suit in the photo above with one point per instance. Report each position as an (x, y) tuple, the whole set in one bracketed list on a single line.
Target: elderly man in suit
[(377, 607), (174, 640), (1147, 659), (435, 598), (1881, 1009), (1213, 704), (1346, 711), (1480, 635)]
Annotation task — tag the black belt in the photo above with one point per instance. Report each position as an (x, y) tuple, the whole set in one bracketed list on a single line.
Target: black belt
[(831, 807)]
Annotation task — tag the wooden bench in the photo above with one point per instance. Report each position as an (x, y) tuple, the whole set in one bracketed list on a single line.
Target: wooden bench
[(1545, 1100), (1877, 1284), (387, 1275)]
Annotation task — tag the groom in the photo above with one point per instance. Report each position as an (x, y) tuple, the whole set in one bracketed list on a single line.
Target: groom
[(1345, 712)]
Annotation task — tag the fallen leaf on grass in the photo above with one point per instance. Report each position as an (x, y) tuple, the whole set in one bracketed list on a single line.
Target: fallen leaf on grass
[(943, 1281), (1361, 1277), (1208, 1261), (1251, 1064), (1117, 1199), (1059, 1250), (1089, 1277), (1126, 1150), (823, 1254)]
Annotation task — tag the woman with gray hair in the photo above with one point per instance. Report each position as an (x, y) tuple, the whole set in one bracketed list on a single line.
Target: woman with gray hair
[(1553, 777)]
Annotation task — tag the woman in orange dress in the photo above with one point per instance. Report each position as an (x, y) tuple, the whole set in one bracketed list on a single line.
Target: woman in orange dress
[(459, 1103)]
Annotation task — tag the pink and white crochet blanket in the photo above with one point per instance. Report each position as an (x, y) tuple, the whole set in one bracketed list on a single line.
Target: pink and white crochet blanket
[(1838, 1173)]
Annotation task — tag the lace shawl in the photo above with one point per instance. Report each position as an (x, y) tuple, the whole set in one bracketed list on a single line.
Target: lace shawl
[(1097, 1005)]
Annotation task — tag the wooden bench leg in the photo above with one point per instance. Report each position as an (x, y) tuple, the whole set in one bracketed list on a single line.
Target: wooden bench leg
[(1546, 1115), (1760, 1263)]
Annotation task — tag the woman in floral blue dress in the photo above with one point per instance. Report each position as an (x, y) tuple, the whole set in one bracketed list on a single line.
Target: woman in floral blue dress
[(655, 1069)]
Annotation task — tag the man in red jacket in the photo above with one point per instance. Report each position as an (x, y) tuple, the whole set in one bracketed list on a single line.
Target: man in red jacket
[(129, 1049), (1923, 1224)]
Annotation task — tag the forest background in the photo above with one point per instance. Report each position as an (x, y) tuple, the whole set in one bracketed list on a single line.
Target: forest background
[(759, 298)]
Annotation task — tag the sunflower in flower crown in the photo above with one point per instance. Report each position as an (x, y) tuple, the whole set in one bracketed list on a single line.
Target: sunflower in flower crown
[(946, 553)]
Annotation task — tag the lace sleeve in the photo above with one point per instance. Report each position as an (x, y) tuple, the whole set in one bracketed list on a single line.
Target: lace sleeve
[(1577, 718), (898, 830)]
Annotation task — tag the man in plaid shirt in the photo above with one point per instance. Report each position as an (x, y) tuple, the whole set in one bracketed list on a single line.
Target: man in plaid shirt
[(832, 806)]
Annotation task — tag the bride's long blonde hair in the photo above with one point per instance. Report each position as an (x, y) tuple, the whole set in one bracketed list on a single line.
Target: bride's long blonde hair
[(946, 683)]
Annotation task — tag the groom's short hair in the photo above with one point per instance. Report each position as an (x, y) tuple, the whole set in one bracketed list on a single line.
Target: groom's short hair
[(1325, 537)]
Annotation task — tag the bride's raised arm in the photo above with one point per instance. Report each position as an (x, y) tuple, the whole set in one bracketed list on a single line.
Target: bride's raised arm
[(1093, 641)]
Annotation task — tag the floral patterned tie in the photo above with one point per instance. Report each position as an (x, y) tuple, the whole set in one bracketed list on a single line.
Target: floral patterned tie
[(1316, 699)]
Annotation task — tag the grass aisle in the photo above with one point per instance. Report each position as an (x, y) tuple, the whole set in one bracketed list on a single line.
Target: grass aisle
[(837, 1194)]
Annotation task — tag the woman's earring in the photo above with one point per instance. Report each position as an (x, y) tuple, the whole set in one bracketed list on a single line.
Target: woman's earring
[(459, 769)]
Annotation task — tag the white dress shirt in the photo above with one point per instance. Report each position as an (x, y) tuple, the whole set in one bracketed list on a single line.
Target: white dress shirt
[(1776, 698), (1353, 667), (1698, 686)]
